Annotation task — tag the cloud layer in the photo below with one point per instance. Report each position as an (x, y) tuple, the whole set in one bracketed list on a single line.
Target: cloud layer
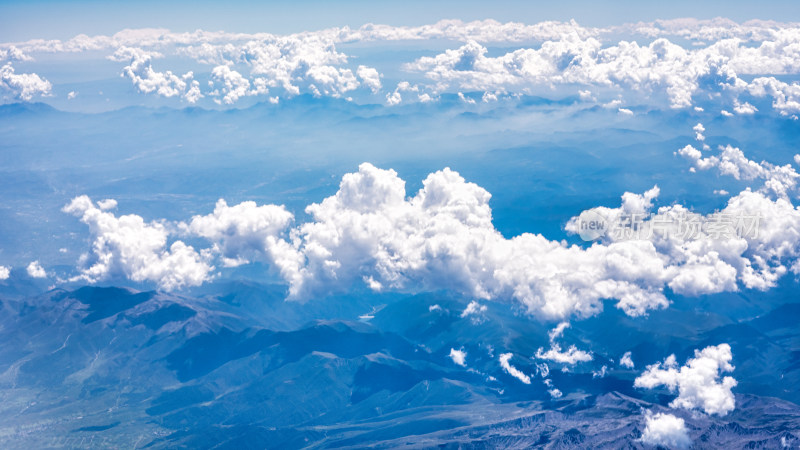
[(753, 241), (724, 63), (442, 237), (660, 68)]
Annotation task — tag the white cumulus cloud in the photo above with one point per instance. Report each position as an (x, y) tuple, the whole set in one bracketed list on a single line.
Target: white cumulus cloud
[(732, 161), (786, 96), (370, 77), (459, 357), (242, 233), (754, 240), (473, 308), (697, 382), (626, 361), (653, 62), (148, 80), (22, 86), (442, 237), (35, 270), (665, 430), (571, 356), (12, 53), (130, 247), (699, 129), (234, 85)]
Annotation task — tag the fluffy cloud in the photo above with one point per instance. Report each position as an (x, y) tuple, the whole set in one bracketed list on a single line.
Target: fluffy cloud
[(552, 390), (484, 31), (474, 308), (443, 237), (665, 430), (786, 96), (683, 261), (760, 256), (35, 270), (128, 246), (754, 240), (107, 204), (23, 86), (479, 30), (5, 272), (12, 53), (721, 56), (147, 80), (511, 370), (459, 357), (394, 98), (732, 161), (295, 63), (626, 361), (697, 382), (192, 94), (571, 356), (370, 78), (242, 233), (306, 62), (706, 30), (234, 85), (744, 108), (699, 129), (661, 67)]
